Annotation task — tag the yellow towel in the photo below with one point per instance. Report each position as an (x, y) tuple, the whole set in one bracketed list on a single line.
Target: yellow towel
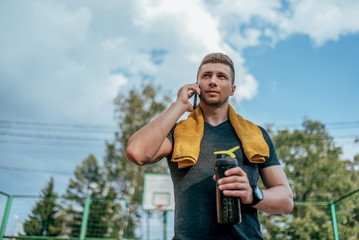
[(188, 135), (187, 139)]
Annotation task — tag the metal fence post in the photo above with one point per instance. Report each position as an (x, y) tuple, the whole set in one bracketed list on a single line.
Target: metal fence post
[(334, 215), (334, 221), (84, 218), (164, 225), (6, 216)]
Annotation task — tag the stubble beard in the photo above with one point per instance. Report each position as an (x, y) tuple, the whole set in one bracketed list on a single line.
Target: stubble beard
[(213, 102)]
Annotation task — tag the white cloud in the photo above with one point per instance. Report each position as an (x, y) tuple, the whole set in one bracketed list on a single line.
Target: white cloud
[(35, 30), (322, 20), (179, 24), (244, 12), (74, 56), (54, 64), (248, 87), (117, 80), (113, 44), (65, 61), (40, 45), (191, 32)]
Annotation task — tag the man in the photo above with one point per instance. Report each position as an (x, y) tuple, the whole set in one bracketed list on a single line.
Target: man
[(194, 183)]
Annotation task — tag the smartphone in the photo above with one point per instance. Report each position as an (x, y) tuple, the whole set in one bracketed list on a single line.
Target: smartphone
[(195, 101)]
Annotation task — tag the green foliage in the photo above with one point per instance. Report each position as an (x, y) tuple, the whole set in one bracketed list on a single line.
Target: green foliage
[(45, 219), (316, 173), (133, 111), (105, 219)]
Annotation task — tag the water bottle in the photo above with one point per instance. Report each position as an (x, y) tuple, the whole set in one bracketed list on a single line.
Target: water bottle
[(228, 208)]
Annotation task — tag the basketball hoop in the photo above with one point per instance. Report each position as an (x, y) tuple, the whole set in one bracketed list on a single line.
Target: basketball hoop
[(159, 208)]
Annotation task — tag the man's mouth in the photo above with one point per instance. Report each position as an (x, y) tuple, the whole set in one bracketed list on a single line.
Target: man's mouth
[(212, 92)]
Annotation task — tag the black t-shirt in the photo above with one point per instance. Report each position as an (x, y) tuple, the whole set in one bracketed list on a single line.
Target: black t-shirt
[(195, 189)]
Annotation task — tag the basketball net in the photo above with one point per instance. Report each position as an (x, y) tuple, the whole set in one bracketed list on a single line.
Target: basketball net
[(159, 208)]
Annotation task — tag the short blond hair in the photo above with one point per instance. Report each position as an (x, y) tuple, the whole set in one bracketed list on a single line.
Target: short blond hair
[(218, 58)]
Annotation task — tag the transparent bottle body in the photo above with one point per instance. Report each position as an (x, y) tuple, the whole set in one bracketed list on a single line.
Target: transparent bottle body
[(228, 208)]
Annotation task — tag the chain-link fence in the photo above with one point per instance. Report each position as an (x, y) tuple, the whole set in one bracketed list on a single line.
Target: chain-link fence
[(29, 217), (332, 220)]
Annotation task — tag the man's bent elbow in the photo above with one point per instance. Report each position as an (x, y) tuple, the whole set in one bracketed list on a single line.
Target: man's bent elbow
[(134, 156), (290, 204)]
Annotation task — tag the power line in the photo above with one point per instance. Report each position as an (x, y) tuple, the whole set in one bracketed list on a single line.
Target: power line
[(331, 125), (52, 129), (35, 170), (346, 136), (108, 127), (54, 137), (24, 125), (53, 143), (57, 125)]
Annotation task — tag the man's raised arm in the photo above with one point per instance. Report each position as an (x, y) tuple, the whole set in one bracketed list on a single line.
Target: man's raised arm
[(150, 143)]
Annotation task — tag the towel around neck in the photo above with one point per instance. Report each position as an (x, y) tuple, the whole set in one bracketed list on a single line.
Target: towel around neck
[(188, 135)]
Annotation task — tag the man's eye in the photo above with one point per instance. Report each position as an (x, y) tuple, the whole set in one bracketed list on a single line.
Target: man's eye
[(222, 76), (206, 75)]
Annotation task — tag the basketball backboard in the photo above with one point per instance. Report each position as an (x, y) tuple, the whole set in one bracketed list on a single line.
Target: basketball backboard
[(158, 192)]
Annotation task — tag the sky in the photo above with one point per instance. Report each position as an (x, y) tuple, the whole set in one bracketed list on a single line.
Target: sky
[(62, 63)]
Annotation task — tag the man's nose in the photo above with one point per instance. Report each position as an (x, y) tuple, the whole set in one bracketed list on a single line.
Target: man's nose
[(213, 80)]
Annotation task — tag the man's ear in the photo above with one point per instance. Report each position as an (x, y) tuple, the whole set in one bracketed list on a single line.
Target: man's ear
[(233, 89)]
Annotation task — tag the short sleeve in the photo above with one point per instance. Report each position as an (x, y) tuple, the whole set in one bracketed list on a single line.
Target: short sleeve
[(170, 137), (170, 134), (273, 158)]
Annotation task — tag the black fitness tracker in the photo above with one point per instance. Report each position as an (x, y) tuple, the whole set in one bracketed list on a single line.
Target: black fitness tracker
[(257, 195)]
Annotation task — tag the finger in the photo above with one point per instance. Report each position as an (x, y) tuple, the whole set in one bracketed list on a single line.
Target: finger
[(233, 186), (185, 93), (190, 89), (194, 87), (232, 179), (234, 183), (244, 195), (237, 193), (191, 93), (235, 171), (198, 90)]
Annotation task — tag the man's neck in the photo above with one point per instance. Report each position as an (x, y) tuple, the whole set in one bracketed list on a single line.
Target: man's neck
[(215, 115)]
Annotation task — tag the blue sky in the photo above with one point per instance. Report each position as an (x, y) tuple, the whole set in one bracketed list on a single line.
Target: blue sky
[(63, 62), (303, 80)]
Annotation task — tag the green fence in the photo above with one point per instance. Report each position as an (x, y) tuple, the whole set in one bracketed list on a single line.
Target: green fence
[(93, 219), (74, 218), (329, 220), (342, 218)]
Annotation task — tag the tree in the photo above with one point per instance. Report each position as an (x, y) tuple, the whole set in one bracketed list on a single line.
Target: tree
[(133, 112), (45, 219), (105, 218), (316, 173)]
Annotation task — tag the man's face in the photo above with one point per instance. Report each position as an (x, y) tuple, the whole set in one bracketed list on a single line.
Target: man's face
[(215, 82)]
